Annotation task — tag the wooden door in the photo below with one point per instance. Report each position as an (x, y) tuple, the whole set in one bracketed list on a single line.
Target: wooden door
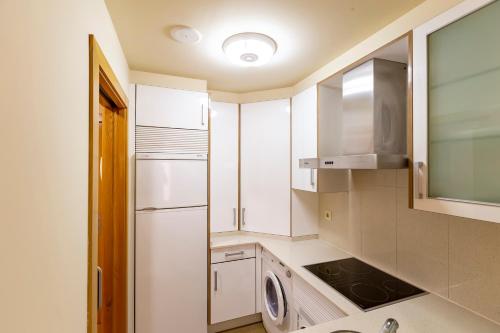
[(110, 258), (107, 233), (105, 220)]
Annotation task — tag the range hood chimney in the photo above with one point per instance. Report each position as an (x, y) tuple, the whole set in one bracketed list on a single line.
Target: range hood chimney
[(373, 119)]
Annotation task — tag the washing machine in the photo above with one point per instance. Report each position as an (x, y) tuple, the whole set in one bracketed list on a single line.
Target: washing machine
[(277, 309)]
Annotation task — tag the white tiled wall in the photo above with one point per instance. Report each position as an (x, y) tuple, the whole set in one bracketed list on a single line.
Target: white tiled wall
[(454, 257)]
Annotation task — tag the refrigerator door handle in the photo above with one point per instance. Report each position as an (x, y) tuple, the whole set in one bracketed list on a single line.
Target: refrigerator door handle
[(202, 115), (216, 280), (243, 222), (234, 216), (149, 209)]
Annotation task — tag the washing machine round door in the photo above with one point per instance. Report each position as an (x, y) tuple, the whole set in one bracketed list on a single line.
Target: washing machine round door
[(274, 298)]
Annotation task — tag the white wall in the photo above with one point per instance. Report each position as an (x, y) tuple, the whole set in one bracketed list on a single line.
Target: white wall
[(44, 165)]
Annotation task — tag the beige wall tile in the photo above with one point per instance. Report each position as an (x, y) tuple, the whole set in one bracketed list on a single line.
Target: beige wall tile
[(341, 231), (355, 221), (305, 209), (422, 246), (475, 265), (402, 178), (363, 179), (378, 225)]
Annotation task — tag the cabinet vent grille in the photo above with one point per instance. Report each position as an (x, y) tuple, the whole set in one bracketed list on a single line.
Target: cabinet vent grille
[(170, 140), (312, 305)]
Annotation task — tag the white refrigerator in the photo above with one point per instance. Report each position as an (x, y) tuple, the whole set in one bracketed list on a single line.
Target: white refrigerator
[(171, 243)]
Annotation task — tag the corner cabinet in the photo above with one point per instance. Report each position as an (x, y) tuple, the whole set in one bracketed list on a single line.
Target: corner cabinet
[(313, 109), (224, 137), (265, 167), (456, 112), (165, 107)]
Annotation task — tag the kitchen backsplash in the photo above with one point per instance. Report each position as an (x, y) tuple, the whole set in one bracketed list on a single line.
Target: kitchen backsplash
[(454, 257)]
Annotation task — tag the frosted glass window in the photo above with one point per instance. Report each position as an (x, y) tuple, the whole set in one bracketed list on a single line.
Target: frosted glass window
[(464, 108)]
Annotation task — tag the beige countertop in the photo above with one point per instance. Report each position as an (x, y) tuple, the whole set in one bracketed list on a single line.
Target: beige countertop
[(428, 313)]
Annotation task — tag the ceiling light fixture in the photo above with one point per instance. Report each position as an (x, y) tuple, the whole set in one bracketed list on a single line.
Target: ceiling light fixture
[(249, 49), (184, 34)]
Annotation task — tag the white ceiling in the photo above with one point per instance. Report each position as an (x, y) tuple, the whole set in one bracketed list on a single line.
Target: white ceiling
[(309, 34)]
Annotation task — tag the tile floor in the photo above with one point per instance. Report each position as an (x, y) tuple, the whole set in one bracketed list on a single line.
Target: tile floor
[(255, 328)]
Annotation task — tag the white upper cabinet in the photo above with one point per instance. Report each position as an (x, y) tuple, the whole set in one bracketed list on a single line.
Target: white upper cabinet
[(304, 138), (164, 107), (316, 132), (265, 167), (224, 166), (456, 112)]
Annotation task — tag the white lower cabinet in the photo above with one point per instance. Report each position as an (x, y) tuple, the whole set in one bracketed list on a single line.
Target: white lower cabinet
[(232, 289)]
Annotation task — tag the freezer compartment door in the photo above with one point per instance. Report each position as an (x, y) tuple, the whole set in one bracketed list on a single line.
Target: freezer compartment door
[(170, 183), (171, 271)]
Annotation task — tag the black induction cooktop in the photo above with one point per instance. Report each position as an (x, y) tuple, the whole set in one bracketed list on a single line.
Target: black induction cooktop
[(366, 286)]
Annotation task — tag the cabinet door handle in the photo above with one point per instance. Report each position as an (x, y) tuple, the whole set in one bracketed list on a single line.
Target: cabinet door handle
[(234, 216), (419, 178), (216, 280), (240, 253), (312, 177), (243, 222), (99, 288), (202, 115)]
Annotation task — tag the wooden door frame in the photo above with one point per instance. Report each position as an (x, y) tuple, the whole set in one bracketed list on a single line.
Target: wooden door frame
[(102, 78)]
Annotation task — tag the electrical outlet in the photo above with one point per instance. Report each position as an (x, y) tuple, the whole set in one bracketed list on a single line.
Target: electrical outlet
[(327, 215)]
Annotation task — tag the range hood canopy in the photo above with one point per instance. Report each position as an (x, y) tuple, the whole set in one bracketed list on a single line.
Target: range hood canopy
[(373, 119)]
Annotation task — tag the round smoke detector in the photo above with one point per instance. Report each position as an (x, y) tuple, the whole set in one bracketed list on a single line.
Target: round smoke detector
[(184, 34)]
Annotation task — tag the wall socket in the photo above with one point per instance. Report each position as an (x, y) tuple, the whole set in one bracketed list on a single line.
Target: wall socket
[(327, 215)]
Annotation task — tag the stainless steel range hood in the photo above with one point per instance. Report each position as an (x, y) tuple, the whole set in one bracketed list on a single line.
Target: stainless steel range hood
[(373, 119)]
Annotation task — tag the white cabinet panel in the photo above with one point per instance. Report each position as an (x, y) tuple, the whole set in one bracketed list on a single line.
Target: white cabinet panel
[(233, 253), (232, 290), (224, 167), (171, 271), (304, 138), (265, 167), (170, 183), (316, 128), (164, 107)]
